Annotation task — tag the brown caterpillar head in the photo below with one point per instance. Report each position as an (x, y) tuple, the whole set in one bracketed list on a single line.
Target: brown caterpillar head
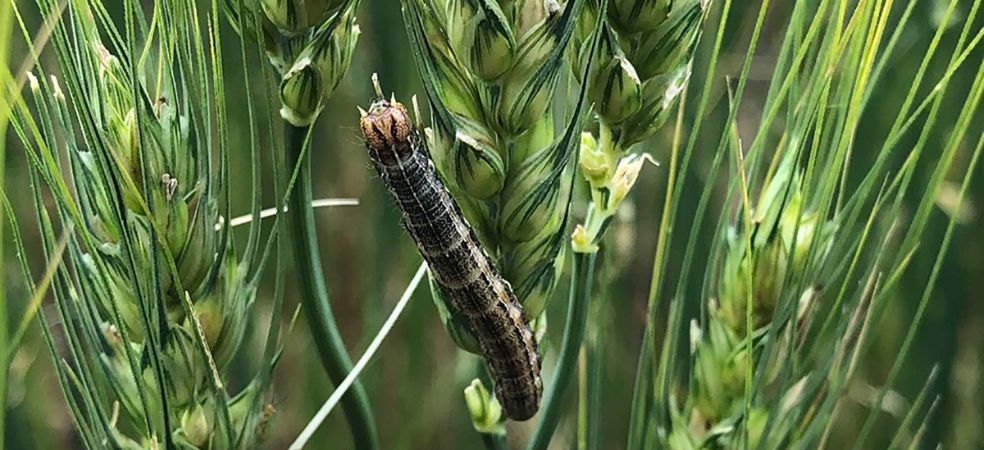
[(388, 130)]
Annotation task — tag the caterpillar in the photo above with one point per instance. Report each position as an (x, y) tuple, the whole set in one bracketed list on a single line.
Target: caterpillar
[(458, 262)]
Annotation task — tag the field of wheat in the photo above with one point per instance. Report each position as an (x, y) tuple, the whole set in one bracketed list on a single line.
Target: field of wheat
[(491, 224)]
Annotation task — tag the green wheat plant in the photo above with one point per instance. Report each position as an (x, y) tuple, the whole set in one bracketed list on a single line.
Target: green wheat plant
[(493, 74), (6, 20), (630, 105), (12, 338), (131, 143), (804, 263), (754, 208), (309, 44), (643, 64)]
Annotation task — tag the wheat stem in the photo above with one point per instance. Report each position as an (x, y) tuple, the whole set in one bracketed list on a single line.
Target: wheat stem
[(314, 294), (575, 324), (349, 380), (494, 441), (271, 212), (6, 21)]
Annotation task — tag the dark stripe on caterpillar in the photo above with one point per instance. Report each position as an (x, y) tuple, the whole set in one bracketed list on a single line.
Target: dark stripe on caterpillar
[(456, 259)]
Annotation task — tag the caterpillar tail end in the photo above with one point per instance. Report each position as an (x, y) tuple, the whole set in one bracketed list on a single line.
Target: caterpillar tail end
[(519, 408)]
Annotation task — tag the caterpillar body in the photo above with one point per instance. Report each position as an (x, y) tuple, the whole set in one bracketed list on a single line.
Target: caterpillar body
[(456, 259)]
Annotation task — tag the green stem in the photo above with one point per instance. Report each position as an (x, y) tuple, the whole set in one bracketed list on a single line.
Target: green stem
[(577, 318), (494, 441), (6, 20), (314, 293), (592, 372), (582, 397), (595, 348), (4, 350)]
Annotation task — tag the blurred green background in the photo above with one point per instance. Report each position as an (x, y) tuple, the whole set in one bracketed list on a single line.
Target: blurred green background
[(416, 381)]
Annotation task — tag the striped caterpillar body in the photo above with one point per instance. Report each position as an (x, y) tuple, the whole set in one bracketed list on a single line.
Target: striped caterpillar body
[(456, 259)]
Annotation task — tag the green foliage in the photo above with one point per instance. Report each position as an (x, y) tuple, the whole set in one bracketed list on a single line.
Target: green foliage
[(491, 71), (154, 298), (812, 221), (643, 63), (802, 275), (6, 19), (309, 42)]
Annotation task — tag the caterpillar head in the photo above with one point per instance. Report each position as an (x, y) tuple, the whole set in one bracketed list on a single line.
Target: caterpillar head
[(389, 132)]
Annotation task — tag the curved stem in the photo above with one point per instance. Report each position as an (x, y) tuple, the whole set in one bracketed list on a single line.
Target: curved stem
[(493, 441), (594, 348), (577, 318), (314, 293)]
